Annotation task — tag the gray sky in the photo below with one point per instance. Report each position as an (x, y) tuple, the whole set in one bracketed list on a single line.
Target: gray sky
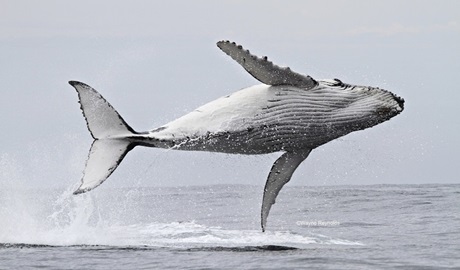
[(156, 60)]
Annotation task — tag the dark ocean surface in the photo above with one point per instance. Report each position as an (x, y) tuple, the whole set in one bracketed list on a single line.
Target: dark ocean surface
[(218, 227)]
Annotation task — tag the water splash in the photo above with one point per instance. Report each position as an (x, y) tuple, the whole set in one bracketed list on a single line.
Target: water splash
[(118, 218), (76, 221)]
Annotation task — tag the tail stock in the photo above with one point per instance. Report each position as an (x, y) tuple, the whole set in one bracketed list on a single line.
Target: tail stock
[(110, 133)]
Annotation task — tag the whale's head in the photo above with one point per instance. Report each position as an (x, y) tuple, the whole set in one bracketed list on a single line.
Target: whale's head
[(390, 104), (360, 107)]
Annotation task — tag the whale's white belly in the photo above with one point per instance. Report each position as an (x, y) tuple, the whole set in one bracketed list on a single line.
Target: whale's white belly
[(232, 113)]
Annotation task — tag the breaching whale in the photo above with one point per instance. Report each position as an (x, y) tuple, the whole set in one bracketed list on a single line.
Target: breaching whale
[(289, 113)]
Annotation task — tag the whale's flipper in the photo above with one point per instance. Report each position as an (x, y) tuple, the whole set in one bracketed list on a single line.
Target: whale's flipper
[(264, 70), (280, 174), (111, 137)]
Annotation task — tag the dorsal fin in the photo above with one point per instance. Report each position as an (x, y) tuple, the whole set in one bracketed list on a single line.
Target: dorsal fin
[(264, 70)]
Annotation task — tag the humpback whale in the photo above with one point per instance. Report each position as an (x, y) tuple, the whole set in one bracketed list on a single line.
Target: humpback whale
[(288, 112)]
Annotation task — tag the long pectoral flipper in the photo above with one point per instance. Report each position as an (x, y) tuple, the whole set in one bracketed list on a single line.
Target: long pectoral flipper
[(280, 174), (264, 70)]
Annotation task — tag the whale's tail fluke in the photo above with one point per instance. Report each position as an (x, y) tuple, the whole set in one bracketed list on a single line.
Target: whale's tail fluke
[(111, 137)]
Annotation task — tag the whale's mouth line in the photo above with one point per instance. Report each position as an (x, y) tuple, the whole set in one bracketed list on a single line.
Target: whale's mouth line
[(387, 111), (382, 111)]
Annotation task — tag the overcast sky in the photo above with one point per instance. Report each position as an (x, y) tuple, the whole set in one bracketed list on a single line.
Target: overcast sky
[(156, 60)]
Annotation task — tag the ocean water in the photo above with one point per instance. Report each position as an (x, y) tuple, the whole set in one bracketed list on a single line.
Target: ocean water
[(217, 227)]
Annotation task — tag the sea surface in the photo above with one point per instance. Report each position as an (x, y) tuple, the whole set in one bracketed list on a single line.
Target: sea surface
[(218, 227)]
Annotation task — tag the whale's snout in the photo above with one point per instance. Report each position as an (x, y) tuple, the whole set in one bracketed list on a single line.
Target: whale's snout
[(390, 105), (400, 102)]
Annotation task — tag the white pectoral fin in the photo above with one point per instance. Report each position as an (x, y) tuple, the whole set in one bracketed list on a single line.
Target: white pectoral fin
[(280, 174), (104, 157)]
